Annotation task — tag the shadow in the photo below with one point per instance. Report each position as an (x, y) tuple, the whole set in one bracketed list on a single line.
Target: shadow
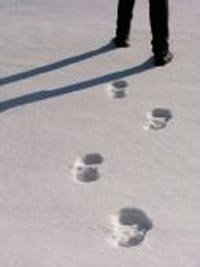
[(47, 94), (56, 65)]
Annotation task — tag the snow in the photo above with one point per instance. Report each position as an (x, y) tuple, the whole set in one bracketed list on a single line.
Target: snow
[(56, 66)]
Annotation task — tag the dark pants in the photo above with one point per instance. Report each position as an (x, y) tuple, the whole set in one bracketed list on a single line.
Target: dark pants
[(158, 12)]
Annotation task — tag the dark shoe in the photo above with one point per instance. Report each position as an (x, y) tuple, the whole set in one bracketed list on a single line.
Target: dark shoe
[(163, 59), (121, 42)]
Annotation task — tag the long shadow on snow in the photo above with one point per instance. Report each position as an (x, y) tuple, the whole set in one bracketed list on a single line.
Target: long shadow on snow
[(46, 94), (56, 65)]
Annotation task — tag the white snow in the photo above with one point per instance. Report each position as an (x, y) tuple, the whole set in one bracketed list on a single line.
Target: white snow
[(56, 63)]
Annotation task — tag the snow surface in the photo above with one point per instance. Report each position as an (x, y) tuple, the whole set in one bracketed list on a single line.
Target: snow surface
[(56, 66)]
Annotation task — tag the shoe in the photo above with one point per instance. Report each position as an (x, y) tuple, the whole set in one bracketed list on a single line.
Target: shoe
[(119, 42), (163, 59)]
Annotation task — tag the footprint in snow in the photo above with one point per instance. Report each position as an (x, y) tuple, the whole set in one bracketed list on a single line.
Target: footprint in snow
[(86, 168), (117, 89), (157, 119), (129, 227)]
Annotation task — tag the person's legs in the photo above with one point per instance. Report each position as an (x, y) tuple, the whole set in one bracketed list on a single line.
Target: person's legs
[(159, 14), (124, 16), (158, 11)]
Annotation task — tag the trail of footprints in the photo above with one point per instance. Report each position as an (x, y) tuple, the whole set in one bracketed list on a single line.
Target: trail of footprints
[(129, 226), (156, 119)]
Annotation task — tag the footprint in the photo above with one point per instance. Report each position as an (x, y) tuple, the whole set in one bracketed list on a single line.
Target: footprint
[(157, 119), (85, 169), (117, 89), (129, 227)]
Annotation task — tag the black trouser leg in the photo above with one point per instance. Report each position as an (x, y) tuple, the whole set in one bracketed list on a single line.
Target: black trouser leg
[(125, 13), (159, 26)]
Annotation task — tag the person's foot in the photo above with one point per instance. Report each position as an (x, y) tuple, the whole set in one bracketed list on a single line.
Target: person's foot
[(163, 59), (120, 42)]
